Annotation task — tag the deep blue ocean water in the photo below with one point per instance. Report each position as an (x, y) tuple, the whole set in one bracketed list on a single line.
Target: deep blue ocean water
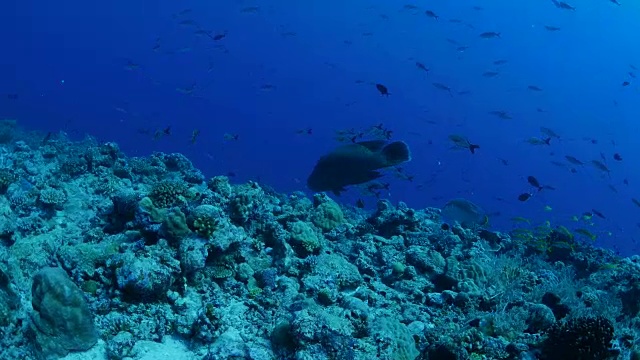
[(122, 71)]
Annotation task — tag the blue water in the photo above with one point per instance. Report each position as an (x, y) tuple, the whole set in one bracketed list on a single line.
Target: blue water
[(120, 71)]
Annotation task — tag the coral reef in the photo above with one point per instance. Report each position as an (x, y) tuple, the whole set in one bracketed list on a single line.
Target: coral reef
[(117, 254)]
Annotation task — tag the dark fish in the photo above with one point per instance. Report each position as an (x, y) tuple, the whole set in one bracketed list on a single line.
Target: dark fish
[(550, 133), (539, 141), (360, 204), (422, 66), (534, 182), (431, 14), (562, 5), (598, 213), (551, 28), (443, 87), (625, 181), (635, 201), (219, 36), (534, 88), (626, 83), (463, 142), (490, 35), (601, 166), (500, 62), (525, 196), (617, 157), (355, 164), (305, 131), (490, 74), (12, 96), (573, 160), (382, 89), (501, 114), (615, 2)]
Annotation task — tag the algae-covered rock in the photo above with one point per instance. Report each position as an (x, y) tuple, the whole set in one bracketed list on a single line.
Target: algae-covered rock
[(61, 319)]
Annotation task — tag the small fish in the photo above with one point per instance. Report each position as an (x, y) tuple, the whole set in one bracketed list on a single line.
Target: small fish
[(551, 28), (431, 14), (360, 204), (613, 188), (549, 133), (465, 213), (501, 114), (250, 9), (131, 66), (443, 87), (231, 137), (422, 66), (615, 2), (635, 201), (462, 142), (626, 83), (519, 219), (12, 96), (534, 88), (182, 13), (219, 36), (586, 233), (187, 23), (573, 160), (534, 182), (598, 213), (601, 166), (562, 5), (524, 197), (305, 131), (548, 208), (267, 87), (160, 133), (539, 141), (500, 62), (490, 35), (194, 136), (383, 90), (490, 74), (617, 157)]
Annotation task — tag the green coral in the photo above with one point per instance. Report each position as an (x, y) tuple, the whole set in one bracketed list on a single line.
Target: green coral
[(304, 236), (328, 215), (205, 226), (175, 225), (168, 193)]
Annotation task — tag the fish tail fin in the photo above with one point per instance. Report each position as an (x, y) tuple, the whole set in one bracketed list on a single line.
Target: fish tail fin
[(473, 148), (396, 153)]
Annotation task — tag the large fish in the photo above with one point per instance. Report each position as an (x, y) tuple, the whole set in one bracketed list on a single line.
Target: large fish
[(356, 163)]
